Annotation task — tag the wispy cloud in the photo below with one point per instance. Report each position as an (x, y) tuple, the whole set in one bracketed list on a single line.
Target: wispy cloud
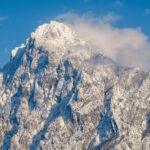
[(147, 11), (110, 18), (72, 18), (118, 3), (86, 0), (3, 18), (127, 46)]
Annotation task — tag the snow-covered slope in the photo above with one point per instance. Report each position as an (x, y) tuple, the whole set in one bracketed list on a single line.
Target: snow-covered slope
[(58, 92)]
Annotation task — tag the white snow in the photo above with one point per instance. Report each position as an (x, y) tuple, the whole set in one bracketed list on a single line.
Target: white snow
[(129, 101), (15, 50), (54, 34)]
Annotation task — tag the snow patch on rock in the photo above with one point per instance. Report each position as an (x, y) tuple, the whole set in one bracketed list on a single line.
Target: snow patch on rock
[(15, 50)]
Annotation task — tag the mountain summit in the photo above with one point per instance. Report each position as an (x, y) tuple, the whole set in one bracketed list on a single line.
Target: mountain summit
[(54, 34), (59, 92)]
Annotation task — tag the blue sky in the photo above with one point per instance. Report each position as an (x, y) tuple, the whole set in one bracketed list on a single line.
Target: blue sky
[(18, 18)]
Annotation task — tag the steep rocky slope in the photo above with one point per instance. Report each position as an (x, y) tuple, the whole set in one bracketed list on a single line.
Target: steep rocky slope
[(58, 92)]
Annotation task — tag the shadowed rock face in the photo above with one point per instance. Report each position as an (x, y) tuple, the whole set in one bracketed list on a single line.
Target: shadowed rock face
[(147, 130), (58, 93), (15, 103)]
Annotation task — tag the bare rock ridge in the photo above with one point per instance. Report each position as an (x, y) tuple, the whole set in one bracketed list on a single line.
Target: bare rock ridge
[(59, 92)]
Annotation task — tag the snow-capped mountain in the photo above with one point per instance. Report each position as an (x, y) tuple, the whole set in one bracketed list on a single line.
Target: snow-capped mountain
[(59, 92)]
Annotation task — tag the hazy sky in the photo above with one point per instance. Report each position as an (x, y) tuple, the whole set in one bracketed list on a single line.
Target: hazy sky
[(18, 18)]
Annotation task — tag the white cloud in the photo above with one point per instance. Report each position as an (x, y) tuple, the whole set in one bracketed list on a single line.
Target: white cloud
[(128, 46)]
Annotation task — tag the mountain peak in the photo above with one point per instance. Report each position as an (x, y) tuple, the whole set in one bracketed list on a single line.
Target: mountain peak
[(56, 93), (54, 34)]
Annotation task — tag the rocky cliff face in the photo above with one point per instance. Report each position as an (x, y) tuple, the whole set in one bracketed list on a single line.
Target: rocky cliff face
[(58, 92)]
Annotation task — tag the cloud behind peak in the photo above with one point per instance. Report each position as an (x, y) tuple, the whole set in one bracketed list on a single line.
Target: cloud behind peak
[(127, 46)]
